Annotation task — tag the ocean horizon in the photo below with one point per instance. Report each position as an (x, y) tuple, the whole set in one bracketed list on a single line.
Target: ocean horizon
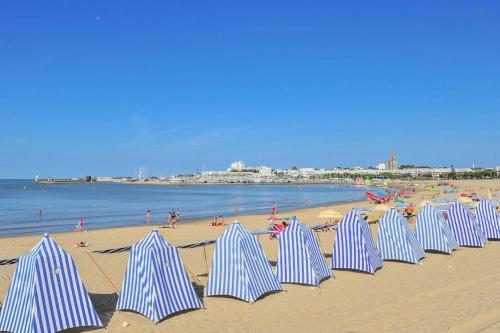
[(105, 205)]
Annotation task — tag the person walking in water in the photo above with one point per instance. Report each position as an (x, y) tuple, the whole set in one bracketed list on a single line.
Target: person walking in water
[(79, 226), (236, 209), (274, 209), (148, 216), (172, 218)]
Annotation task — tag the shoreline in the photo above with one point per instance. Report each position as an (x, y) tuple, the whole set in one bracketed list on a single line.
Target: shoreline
[(196, 220), (194, 216)]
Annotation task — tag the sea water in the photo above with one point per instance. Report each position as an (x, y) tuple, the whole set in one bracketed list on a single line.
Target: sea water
[(110, 205)]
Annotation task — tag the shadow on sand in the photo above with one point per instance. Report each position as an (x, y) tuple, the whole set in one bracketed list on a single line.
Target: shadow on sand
[(105, 306)]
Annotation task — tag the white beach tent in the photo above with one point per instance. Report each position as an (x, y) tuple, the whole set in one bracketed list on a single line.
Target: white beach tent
[(353, 247), (433, 232), (300, 259), (239, 267), (156, 284), (488, 219), (46, 293), (396, 239), (464, 227)]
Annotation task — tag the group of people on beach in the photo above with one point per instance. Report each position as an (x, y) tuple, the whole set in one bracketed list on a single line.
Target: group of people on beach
[(174, 215), (218, 221), (277, 224)]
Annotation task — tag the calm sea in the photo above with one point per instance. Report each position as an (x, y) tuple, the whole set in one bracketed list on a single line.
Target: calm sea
[(111, 205)]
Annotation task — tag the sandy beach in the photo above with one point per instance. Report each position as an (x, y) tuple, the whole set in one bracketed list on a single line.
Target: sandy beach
[(443, 293)]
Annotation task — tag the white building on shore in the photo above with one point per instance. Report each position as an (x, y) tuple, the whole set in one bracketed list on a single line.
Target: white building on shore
[(265, 171), (237, 166)]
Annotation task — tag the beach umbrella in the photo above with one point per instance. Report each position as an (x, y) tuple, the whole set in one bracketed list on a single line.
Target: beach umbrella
[(382, 208), (361, 209), (377, 212), (330, 214), (465, 199), (374, 216)]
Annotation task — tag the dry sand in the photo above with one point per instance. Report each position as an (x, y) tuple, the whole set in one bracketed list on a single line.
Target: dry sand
[(456, 293)]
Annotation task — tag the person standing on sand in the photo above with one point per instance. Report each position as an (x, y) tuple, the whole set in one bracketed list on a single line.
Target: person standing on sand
[(148, 217)]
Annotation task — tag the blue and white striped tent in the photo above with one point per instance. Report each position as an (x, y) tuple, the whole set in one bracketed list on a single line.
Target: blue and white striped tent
[(46, 293), (240, 267), (488, 219), (156, 284), (396, 240), (300, 259), (433, 231), (464, 227), (354, 247)]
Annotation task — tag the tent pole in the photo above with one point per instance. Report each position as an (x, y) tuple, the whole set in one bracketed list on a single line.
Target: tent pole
[(319, 241), (103, 273), (193, 276), (205, 255)]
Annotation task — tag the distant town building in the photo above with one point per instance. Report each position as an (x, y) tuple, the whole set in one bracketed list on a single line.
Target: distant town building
[(265, 171), (237, 166), (306, 172), (104, 179), (381, 166), (392, 164)]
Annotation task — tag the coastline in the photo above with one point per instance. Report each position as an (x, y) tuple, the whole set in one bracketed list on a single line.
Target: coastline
[(341, 181), (433, 292)]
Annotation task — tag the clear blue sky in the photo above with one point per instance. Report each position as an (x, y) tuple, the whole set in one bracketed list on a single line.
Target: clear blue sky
[(102, 87)]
